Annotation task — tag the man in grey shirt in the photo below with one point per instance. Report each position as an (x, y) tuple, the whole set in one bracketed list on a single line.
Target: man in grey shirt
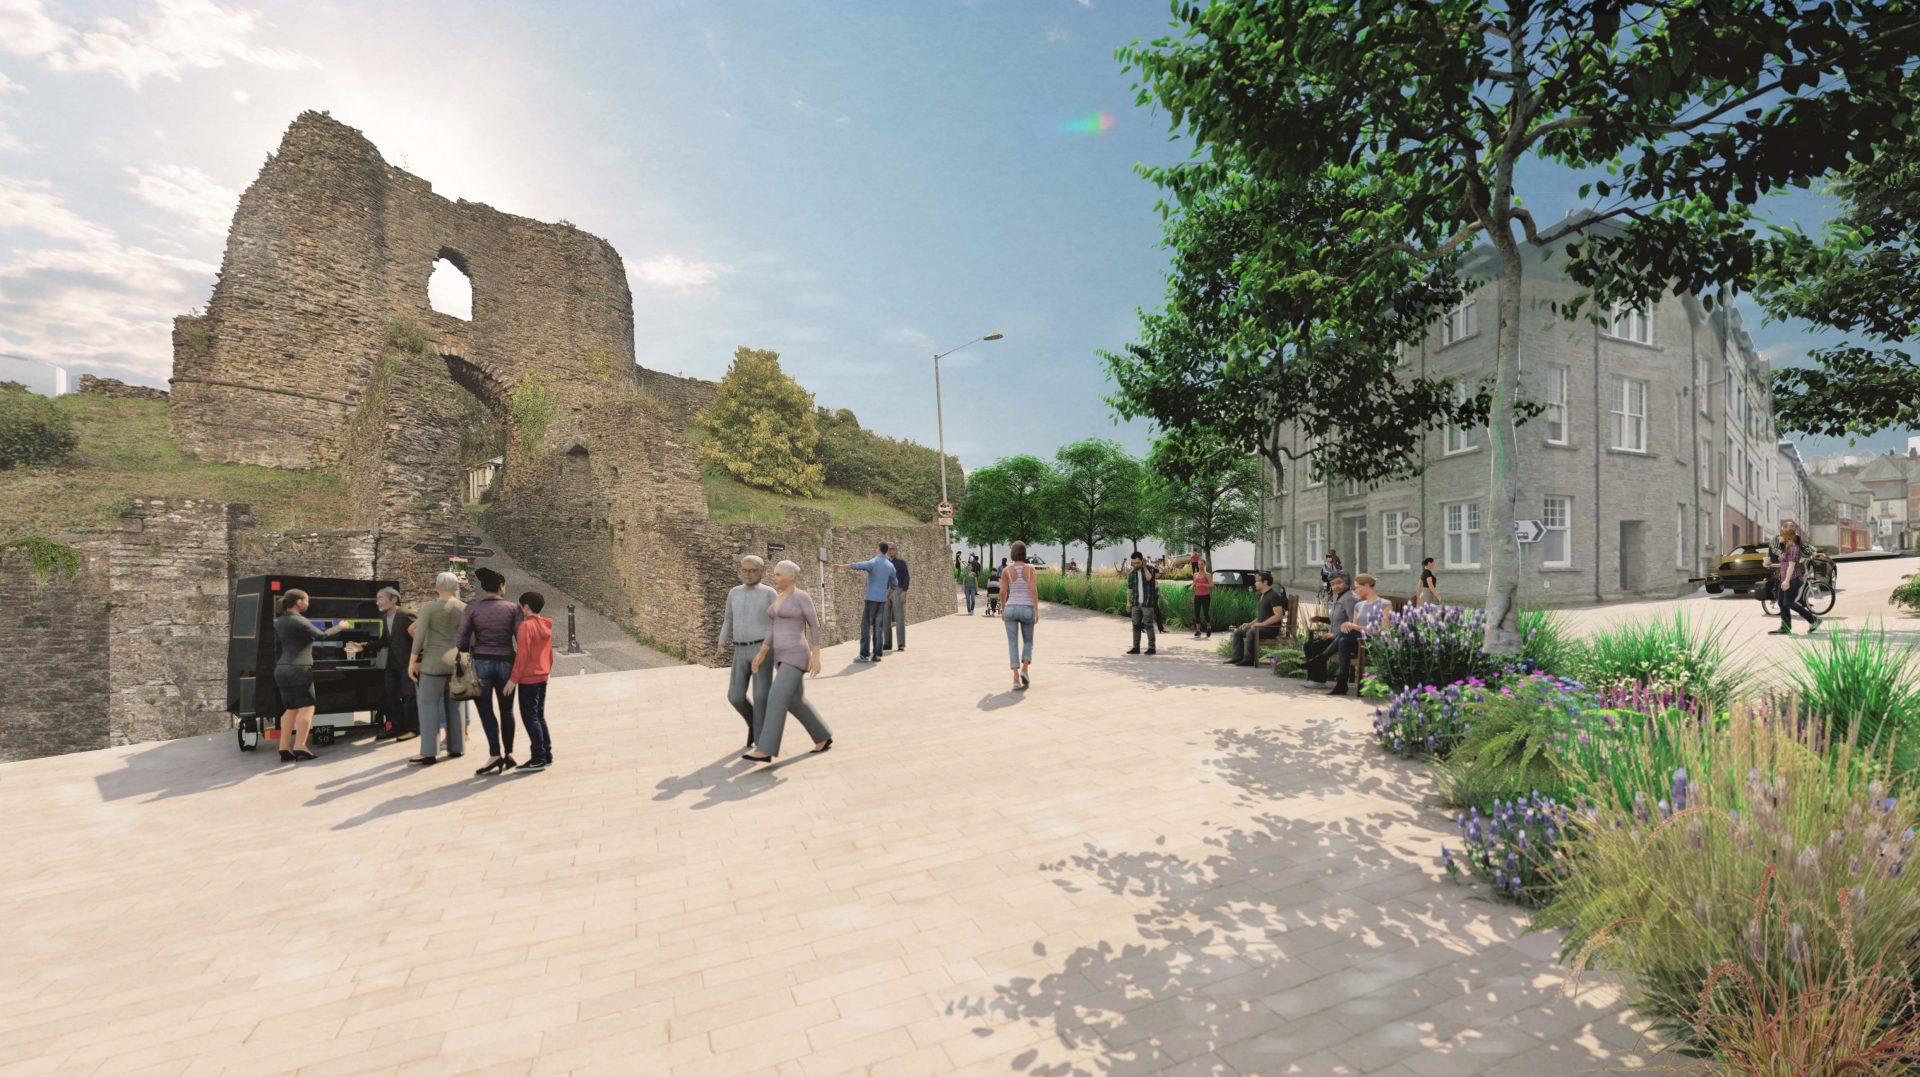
[(747, 623), (1320, 650)]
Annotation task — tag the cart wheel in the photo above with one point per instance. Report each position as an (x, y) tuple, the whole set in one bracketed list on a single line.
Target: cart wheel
[(1820, 597)]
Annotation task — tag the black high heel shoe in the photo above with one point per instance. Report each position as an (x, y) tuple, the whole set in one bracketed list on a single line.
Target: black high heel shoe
[(491, 768), (286, 756), (507, 763), (303, 754)]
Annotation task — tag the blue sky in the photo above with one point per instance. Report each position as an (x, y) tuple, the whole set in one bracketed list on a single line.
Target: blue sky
[(853, 185)]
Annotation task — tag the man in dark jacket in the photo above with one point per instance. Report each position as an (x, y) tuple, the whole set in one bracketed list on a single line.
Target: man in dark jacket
[(401, 711), (896, 627), (1143, 603)]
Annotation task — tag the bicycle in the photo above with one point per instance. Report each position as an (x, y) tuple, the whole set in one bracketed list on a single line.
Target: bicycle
[(1821, 589)]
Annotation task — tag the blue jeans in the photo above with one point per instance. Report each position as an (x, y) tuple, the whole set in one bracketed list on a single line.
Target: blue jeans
[(873, 627), (533, 711), (1019, 622), (970, 589), (493, 674)]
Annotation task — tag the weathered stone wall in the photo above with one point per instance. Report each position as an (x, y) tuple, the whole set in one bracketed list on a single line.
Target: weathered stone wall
[(53, 656), (168, 565), (683, 397), (117, 389)]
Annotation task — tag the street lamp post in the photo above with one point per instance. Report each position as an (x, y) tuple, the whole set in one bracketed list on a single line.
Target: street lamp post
[(940, 422)]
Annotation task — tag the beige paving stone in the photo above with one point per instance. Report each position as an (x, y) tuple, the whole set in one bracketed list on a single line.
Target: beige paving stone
[(1233, 881)]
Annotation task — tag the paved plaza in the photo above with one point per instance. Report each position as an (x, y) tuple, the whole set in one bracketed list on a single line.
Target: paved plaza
[(1139, 866)]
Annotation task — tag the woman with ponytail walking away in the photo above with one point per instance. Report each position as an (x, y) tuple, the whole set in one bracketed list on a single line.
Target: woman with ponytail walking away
[(293, 672), (1020, 610)]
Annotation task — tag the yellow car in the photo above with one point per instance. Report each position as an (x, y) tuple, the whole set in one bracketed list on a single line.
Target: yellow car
[(1742, 571)]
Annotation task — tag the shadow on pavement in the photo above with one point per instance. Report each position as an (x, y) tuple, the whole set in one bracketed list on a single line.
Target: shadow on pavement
[(178, 768)]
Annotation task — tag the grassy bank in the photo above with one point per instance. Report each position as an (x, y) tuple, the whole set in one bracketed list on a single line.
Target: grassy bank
[(732, 502)]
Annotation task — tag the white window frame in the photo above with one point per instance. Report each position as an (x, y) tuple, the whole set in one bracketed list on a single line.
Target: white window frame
[(1628, 322), (1393, 544), (1564, 528), (1458, 441), (1558, 412), (1704, 465), (1351, 488), (1702, 373), (1625, 419), (1464, 527), (1460, 323), (1316, 542), (1280, 547), (1680, 539)]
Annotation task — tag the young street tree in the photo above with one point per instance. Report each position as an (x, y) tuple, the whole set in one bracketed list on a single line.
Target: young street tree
[(1211, 502), (1007, 500), (760, 427), (1416, 119), (1859, 277), (1094, 497)]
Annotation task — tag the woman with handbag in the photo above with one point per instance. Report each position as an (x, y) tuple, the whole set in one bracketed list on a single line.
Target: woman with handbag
[(433, 665), (794, 647)]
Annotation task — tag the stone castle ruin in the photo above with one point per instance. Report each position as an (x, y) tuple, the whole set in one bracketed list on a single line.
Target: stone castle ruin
[(319, 351)]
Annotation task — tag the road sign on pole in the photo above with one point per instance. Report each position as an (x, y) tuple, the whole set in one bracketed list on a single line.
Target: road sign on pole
[(1410, 525), (1529, 530), (944, 512)]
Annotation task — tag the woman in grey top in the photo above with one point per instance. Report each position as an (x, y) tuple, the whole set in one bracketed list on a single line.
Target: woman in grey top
[(794, 645), (435, 630), (293, 672)]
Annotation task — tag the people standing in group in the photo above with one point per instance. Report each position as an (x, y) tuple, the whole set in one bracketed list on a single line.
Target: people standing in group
[(1269, 611), (487, 628), (532, 664), (1428, 593), (1143, 604), (1020, 612), (293, 672), (970, 582), (1371, 616), (746, 622), (793, 647), (896, 624), (401, 709), (436, 628), (1320, 649), (879, 570), (1202, 600), (1792, 575)]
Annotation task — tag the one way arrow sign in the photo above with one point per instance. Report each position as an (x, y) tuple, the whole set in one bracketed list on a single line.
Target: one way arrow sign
[(1528, 530)]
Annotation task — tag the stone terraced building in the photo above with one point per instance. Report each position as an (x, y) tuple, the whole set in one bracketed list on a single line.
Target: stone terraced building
[(1657, 451)]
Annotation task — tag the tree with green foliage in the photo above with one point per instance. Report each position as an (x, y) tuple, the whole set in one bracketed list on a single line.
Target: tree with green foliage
[(1214, 495), (1407, 131), (34, 430), (900, 473), (761, 428), (1857, 277), (1007, 503), (1095, 494)]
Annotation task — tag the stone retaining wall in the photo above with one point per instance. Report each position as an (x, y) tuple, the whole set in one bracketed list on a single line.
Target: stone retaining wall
[(117, 389), (53, 656)]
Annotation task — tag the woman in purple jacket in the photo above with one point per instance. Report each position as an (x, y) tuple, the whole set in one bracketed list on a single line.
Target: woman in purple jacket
[(794, 645), (487, 628)]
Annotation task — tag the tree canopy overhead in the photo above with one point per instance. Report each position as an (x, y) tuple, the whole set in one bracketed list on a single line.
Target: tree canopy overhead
[(1371, 143)]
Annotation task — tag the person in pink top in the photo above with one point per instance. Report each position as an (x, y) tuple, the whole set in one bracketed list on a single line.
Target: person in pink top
[(794, 647), (532, 663), (1202, 598)]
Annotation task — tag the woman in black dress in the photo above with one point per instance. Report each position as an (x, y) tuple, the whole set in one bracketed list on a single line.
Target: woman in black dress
[(293, 672)]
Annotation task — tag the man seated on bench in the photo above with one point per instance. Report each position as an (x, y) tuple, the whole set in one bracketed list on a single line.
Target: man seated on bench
[(1265, 625), (1371, 616)]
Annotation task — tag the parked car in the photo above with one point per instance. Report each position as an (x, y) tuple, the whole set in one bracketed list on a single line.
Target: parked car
[(1234, 577), (1742, 570)]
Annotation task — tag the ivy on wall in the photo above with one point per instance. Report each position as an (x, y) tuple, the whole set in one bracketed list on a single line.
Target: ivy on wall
[(47, 557)]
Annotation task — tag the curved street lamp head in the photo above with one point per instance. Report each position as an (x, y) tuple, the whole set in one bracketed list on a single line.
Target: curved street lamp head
[(993, 336)]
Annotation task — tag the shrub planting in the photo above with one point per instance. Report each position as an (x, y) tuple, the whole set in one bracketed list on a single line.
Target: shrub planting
[(1907, 594), (34, 430), (1430, 645), (1427, 721), (1661, 653), (1516, 848), (1865, 687), (1513, 738), (1548, 643)]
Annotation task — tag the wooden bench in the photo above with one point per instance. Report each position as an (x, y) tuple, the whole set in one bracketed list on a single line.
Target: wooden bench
[(1360, 653)]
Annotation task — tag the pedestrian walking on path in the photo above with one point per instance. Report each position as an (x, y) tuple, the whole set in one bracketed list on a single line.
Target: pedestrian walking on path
[(1143, 604), (793, 647), (970, 582), (487, 629), (879, 570), (1021, 611), (1793, 582), (532, 663), (1428, 593), (293, 672), (1202, 600), (746, 623), (435, 628)]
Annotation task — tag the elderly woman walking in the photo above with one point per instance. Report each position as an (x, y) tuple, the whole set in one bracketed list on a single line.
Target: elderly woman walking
[(293, 672), (794, 647), (435, 628)]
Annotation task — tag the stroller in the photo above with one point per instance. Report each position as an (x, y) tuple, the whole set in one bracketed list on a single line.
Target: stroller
[(993, 596)]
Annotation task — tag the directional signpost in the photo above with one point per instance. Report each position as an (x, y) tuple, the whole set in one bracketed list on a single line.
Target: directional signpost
[(1529, 530), (462, 546)]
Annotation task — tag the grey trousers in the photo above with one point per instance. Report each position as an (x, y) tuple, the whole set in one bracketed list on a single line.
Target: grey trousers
[(789, 697), (437, 712), (894, 632), (1143, 617), (762, 682)]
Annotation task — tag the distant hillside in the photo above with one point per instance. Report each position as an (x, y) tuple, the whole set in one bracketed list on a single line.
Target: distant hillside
[(125, 452)]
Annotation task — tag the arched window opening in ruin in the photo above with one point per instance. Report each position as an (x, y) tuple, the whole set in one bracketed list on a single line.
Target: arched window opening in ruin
[(450, 290)]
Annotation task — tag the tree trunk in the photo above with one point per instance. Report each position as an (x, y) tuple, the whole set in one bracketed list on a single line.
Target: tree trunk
[(1502, 552)]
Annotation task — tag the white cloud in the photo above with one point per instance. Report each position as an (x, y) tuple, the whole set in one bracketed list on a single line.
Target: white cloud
[(26, 206), (27, 30), (1085, 3), (800, 105), (8, 141), (7, 85), (240, 96), (842, 120), (172, 36), (672, 271), (187, 193), (916, 338), (1056, 36)]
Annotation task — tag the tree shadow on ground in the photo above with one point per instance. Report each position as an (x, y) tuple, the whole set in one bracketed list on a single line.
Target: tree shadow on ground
[(1315, 926)]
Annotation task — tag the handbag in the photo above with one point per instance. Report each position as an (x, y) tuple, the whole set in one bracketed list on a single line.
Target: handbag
[(465, 682)]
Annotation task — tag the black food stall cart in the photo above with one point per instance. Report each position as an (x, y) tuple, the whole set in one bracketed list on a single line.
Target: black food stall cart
[(349, 691)]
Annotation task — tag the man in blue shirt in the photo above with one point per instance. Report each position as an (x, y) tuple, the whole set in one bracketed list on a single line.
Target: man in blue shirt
[(896, 621), (879, 570)]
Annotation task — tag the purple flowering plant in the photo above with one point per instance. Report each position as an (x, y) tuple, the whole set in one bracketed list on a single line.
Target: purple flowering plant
[(1427, 721), (1517, 848)]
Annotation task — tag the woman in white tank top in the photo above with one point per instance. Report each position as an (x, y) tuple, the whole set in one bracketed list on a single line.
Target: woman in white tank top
[(1019, 609)]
